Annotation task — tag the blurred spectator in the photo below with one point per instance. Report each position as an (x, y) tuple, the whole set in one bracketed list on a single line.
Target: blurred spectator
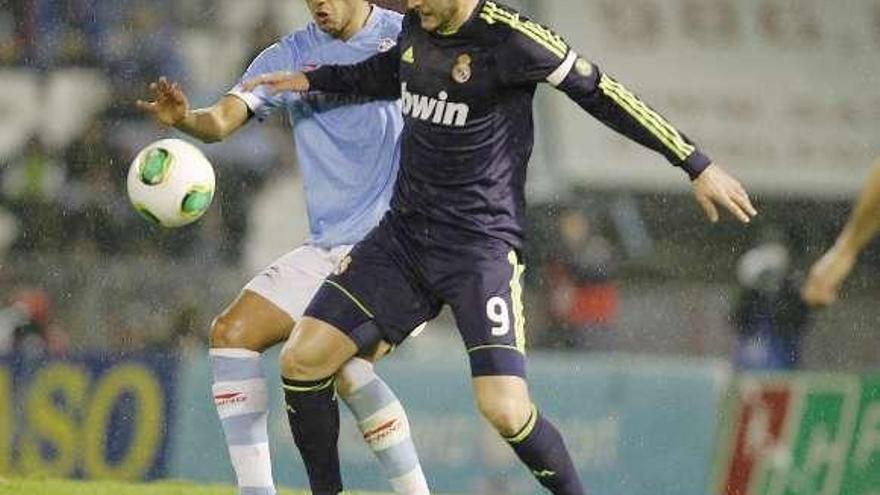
[(769, 316), (26, 325), (582, 294), (140, 47), (32, 186), (94, 200), (10, 41)]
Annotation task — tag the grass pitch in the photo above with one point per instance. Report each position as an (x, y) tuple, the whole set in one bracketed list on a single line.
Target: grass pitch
[(71, 487)]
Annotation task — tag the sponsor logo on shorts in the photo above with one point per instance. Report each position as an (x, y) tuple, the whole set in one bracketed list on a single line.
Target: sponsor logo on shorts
[(386, 44)]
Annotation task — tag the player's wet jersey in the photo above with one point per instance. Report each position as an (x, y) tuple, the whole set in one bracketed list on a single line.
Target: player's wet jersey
[(346, 145), (467, 104)]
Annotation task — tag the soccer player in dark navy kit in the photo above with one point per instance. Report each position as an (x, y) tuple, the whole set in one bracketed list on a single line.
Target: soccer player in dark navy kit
[(466, 73)]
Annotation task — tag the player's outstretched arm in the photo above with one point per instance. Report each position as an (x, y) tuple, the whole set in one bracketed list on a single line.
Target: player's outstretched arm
[(539, 55), (170, 107), (376, 77), (828, 273)]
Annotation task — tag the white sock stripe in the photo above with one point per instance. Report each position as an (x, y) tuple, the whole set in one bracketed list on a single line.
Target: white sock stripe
[(387, 428), (253, 465), (233, 353), (241, 397)]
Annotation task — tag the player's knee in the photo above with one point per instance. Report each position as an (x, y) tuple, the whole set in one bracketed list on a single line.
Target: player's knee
[(229, 333), (506, 415), (302, 364)]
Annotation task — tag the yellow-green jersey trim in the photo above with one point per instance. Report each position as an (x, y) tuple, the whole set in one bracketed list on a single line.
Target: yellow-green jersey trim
[(349, 295), (651, 120), (491, 13), (516, 298), (315, 388), (527, 429)]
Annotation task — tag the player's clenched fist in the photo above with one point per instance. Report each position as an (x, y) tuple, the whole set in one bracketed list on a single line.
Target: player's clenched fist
[(279, 82), (169, 105), (826, 276)]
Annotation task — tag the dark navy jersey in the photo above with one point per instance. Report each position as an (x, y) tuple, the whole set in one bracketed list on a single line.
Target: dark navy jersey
[(467, 98)]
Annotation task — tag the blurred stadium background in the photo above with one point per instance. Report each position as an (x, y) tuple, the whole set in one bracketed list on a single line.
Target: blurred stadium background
[(674, 352)]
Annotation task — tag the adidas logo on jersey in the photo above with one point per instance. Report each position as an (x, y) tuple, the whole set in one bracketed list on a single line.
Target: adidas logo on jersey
[(434, 110)]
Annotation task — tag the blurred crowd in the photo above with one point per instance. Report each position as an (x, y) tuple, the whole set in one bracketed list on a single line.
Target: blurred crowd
[(63, 193), (70, 195)]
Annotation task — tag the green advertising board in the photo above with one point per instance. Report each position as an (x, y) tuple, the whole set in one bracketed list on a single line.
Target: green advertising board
[(804, 434)]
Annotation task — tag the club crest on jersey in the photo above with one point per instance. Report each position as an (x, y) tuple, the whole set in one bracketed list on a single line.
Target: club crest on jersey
[(461, 71), (435, 110), (386, 44), (343, 265), (583, 67)]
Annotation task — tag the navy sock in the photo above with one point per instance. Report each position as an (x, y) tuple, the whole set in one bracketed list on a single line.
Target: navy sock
[(313, 413), (540, 447)]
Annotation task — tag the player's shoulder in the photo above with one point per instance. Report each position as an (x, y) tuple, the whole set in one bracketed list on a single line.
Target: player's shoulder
[(505, 23), (388, 22), (301, 38)]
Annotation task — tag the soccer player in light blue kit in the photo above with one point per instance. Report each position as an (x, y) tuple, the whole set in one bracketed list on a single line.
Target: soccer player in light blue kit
[(348, 153)]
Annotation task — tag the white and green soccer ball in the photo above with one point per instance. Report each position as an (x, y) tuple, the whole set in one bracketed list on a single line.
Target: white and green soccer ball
[(171, 183)]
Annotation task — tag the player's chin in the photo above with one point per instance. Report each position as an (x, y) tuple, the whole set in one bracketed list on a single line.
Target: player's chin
[(429, 22)]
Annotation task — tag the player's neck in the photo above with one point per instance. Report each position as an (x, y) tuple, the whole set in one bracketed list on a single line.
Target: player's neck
[(358, 21), (464, 10)]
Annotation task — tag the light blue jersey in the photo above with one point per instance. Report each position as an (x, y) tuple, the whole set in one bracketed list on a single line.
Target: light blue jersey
[(347, 146)]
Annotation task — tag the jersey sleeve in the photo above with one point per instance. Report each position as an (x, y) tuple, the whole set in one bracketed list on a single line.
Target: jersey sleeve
[(620, 109), (377, 76), (259, 101), (535, 54)]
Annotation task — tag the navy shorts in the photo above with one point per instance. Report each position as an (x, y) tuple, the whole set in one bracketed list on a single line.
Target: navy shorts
[(402, 274)]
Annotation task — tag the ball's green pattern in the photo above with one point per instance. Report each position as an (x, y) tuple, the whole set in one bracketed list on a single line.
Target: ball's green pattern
[(155, 166), (197, 201)]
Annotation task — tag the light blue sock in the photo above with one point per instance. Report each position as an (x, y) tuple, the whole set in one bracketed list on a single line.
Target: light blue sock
[(241, 397)]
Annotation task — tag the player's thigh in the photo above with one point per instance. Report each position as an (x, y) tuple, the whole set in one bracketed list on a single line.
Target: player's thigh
[(251, 322), (486, 299), (371, 297), (314, 350)]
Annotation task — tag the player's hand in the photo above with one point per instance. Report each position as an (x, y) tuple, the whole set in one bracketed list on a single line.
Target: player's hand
[(169, 105), (716, 187), (279, 82), (826, 276)]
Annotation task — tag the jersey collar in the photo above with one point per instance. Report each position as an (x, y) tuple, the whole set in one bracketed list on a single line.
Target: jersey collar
[(468, 24)]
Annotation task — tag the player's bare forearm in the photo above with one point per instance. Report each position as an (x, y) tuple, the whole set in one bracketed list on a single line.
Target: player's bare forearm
[(864, 222), (215, 123)]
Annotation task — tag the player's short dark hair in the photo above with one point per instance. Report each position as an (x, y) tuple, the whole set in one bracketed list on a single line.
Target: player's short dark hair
[(398, 5)]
